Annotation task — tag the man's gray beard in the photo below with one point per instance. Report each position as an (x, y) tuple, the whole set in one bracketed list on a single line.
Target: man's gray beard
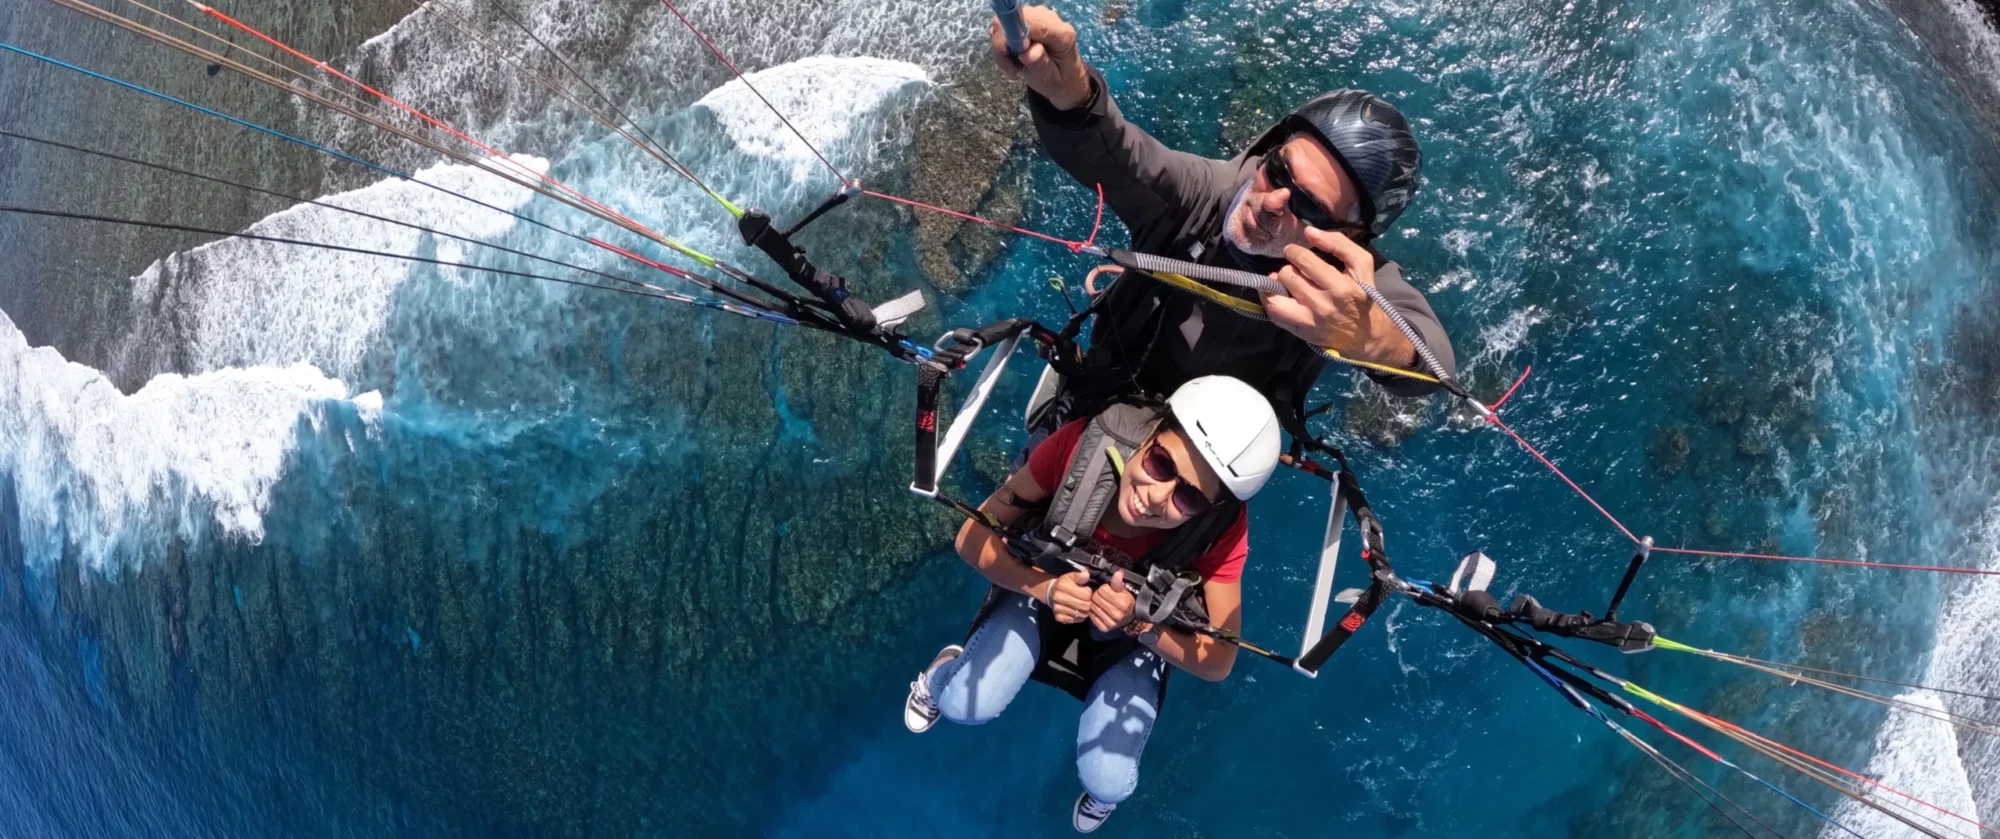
[(1273, 249)]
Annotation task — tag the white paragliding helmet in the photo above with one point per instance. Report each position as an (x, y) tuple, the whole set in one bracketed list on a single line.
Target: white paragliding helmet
[(1234, 429)]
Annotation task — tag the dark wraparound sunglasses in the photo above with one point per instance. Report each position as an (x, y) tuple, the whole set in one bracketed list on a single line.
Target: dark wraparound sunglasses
[(1303, 207), (1159, 465)]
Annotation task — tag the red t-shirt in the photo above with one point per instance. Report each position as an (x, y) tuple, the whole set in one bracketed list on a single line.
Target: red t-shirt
[(1222, 563)]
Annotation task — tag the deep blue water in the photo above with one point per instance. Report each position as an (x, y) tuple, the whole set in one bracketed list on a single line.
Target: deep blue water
[(617, 569)]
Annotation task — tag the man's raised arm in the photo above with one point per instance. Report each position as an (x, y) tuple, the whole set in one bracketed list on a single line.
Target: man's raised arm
[(1152, 188)]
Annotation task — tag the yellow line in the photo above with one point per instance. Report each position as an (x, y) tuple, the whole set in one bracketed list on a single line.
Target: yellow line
[(1190, 286), (1676, 646), (1381, 368), (732, 208), (1652, 697), (1254, 310)]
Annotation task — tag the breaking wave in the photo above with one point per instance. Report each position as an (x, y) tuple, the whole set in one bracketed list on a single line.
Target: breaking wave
[(818, 94), (256, 335), (1930, 759), (110, 476), (252, 302)]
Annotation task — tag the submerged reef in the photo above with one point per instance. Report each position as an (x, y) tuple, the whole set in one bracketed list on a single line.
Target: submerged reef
[(963, 135), (508, 613)]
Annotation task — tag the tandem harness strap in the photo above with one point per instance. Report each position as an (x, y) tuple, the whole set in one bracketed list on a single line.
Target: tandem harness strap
[(951, 353), (1173, 599)]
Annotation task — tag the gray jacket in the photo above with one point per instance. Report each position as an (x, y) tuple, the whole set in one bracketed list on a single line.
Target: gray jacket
[(1175, 203)]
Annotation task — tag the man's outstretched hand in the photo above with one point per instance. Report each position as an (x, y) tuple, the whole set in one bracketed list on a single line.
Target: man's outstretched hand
[(1326, 307), (1051, 66)]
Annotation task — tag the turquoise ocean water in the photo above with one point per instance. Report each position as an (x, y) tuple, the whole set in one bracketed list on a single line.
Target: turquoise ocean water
[(387, 552)]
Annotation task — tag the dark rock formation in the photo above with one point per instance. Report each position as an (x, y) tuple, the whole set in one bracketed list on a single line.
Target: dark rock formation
[(1670, 450), (963, 135)]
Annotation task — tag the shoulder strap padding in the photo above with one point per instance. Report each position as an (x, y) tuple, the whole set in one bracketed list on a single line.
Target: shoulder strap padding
[(1090, 484)]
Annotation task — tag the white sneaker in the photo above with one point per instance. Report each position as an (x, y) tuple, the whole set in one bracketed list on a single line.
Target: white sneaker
[(920, 711), (1090, 813)]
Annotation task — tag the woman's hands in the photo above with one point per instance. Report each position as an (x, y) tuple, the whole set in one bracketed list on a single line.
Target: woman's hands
[(1107, 607), (1111, 604), (1070, 596)]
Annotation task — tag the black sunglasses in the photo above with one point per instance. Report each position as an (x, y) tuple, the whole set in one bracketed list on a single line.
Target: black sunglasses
[(1159, 465), (1278, 174)]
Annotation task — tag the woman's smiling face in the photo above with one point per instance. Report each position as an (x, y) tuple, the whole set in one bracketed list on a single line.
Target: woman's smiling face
[(1147, 501)]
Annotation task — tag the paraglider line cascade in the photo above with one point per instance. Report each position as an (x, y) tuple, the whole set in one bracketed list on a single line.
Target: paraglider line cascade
[(498, 157), (703, 282)]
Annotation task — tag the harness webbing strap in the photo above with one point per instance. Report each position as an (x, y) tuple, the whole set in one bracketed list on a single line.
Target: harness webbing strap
[(1381, 585), (930, 379), (1162, 594), (1172, 598), (951, 353)]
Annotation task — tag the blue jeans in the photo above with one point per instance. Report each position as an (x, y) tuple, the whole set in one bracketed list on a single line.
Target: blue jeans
[(1117, 716)]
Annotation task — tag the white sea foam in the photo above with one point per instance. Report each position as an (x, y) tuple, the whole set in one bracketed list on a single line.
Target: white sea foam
[(821, 96), (92, 466), (1982, 42), (271, 331), (1967, 657), (258, 303), (1928, 759), (1502, 339), (265, 303), (643, 57), (1509, 334), (1917, 755), (370, 406)]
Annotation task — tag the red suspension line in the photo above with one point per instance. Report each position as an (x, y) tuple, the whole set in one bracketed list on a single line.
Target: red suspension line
[(1075, 247), (1852, 562), (1685, 740), (496, 154), (1530, 449), (1730, 726), (1494, 418)]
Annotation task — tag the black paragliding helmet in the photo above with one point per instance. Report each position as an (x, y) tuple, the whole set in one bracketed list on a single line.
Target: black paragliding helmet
[(1370, 139)]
